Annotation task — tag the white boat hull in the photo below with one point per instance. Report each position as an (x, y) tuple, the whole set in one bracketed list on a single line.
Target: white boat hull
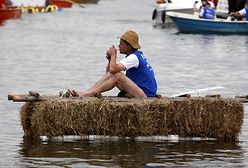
[(182, 6)]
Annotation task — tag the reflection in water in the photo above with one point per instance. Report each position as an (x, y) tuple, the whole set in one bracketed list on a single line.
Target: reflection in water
[(1, 23), (130, 153)]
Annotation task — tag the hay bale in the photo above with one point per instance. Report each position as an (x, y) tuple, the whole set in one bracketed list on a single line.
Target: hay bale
[(202, 117)]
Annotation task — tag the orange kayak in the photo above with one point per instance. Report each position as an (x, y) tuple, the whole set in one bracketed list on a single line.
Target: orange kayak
[(10, 13), (62, 3)]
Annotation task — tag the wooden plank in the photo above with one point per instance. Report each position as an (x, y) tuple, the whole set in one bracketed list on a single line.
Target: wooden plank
[(243, 100), (37, 97), (244, 96), (27, 98)]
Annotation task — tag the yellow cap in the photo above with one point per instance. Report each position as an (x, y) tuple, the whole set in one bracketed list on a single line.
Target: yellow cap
[(132, 38)]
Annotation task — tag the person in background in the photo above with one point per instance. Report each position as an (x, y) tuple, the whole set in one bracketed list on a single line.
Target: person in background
[(3, 4), (163, 1), (242, 13), (212, 4), (215, 3), (236, 5), (207, 12), (48, 2), (198, 5), (139, 81)]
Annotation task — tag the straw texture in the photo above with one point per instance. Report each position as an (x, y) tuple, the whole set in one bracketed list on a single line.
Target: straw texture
[(202, 117)]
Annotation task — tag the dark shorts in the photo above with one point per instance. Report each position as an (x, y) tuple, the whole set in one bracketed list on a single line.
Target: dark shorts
[(122, 93)]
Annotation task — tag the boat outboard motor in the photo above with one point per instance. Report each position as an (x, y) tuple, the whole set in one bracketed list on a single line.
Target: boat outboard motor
[(163, 16), (160, 11), (154, 14)]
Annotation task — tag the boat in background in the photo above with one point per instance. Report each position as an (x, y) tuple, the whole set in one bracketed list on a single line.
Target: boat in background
[(26, 3), (10, 13), (188, 23), (62, 3), (40, 9), (1, 23), (159, 13)]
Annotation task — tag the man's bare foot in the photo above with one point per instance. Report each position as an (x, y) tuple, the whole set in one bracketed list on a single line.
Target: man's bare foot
[(80, 93), (73, 93), (86, 94)]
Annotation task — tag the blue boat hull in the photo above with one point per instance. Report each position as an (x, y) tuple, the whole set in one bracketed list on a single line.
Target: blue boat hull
[(204, 26)]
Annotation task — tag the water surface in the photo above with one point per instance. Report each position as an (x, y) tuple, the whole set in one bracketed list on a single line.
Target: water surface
[(54, 51)]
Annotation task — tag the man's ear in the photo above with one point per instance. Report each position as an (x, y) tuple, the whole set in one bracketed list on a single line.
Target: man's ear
[(129, 46)]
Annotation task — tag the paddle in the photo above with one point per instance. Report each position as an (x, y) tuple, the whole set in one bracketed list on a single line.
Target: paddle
[(197, 91)]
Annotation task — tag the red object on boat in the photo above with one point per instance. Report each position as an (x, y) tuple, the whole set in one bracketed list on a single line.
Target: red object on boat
[(10, 13), (62, 3)]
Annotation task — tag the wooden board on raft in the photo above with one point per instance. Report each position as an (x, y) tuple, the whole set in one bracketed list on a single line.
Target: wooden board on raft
[(208, 117), (35, 96)]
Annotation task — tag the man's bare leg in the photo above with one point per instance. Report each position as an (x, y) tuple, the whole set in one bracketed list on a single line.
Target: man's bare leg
[(110, 81), (129, 86), (99, 82)]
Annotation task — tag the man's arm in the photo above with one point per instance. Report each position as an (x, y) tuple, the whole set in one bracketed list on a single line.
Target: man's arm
[(113, 66), (239, 13), (107, 67), (235, 14), (108, 56)]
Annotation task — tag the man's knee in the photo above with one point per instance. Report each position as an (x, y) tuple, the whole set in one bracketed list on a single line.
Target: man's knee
[(120, 76), (115, 77)]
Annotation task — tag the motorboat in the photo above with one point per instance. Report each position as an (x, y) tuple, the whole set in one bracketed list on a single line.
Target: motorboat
[(163, 6), (190, 23), (62, 3), (10, 13)]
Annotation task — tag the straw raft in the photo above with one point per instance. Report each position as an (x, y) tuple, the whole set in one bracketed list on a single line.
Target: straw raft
[(218, 118)]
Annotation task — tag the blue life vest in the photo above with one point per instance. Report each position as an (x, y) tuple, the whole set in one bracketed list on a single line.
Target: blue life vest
[(208, 13), (143, 75), (246, 13)]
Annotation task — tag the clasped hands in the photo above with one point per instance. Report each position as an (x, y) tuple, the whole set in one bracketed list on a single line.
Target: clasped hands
[(112, 52)]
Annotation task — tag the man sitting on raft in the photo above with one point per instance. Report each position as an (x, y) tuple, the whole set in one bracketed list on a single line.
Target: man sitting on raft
[(139, 81)]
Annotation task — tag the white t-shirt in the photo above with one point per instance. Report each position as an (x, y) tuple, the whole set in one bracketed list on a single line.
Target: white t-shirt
[(201, 12), (242, 12), (130, 61)]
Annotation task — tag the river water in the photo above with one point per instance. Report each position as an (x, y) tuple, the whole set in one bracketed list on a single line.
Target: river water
[(49, 52)]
